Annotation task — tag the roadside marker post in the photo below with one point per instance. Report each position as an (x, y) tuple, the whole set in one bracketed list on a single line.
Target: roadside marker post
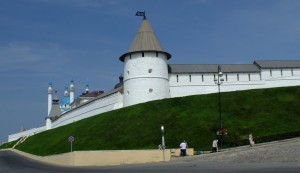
[(71, 139)]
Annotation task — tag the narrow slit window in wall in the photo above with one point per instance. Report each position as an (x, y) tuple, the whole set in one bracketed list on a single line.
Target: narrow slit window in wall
[(177, 78), (190, 78), (260, 75)]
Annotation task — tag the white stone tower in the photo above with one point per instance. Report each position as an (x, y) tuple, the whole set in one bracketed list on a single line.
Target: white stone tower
[(50, 93), (72, 90), (54, 113), (145, 68)]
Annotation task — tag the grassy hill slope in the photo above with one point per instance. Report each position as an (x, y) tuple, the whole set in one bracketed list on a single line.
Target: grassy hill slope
[(268, 113)]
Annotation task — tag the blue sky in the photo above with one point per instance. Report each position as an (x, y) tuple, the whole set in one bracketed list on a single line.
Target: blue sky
[(60, 40)]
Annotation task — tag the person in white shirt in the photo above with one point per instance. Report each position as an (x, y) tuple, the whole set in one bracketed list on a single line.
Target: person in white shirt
[(215, 146), (252, 143), (183, 146)]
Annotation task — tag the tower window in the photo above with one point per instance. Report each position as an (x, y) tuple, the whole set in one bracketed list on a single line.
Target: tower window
[(226, 76), (249, 77), (202, 78), (238, 77), (190, 78), (150, 90), (260, 75), (292, 71), (156, 54), (177, 78), (143, 54), (281, 72), (270, 72), (150, 70)]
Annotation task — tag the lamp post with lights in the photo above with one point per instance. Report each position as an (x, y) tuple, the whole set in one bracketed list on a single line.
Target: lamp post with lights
[(163, 140), (219, 80)]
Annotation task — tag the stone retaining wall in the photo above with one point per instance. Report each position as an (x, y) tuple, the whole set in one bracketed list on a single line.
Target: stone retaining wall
[(102, 158)]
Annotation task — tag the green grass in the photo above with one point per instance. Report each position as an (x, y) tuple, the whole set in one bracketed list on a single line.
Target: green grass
[(9, 144), (269, 114)]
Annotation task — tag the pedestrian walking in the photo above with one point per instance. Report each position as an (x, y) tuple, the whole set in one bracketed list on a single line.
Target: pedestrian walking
[(252, 143), (215, 146), (183, 146)]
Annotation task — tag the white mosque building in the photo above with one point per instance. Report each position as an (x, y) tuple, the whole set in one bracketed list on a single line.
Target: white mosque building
[(147, 76)]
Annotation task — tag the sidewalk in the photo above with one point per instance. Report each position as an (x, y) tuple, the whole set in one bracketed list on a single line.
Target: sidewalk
[(277, 151)]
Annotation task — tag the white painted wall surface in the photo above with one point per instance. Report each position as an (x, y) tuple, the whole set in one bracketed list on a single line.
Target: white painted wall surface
[(95, 107), (29, 132), (235, 82), (145, 78), (89, 109)]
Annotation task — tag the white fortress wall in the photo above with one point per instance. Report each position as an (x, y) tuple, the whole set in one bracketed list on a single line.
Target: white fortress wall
[(29, 132), (194, 84), (89, 109)]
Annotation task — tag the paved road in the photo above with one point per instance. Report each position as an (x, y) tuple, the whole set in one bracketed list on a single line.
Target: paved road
[(10, 162)]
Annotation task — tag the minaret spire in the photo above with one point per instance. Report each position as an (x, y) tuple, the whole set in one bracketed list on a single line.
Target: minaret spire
[(66, 93), (87, 88), (50, 93), (72, 90)]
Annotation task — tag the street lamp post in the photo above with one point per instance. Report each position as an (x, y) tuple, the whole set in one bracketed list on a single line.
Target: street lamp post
[(220, 81), (163, 140)]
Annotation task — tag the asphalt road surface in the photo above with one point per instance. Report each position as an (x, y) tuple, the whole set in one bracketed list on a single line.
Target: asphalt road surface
[(11, 162)]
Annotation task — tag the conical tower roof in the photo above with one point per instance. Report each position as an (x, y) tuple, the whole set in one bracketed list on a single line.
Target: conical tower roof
[(55, 111), (144, 41)]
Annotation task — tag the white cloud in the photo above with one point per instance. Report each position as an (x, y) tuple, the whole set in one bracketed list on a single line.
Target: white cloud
[(17, 53)]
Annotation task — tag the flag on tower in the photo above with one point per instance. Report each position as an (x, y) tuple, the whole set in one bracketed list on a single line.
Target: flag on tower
[(141, 13)]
